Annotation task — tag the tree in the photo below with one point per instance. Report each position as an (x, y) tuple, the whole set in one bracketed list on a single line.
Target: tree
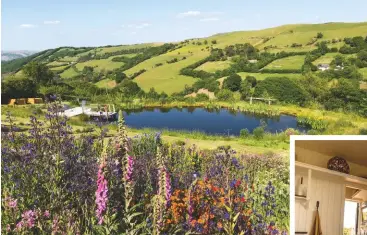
[(214, 41), (251, 80), (119, 76), (319, 35), (18, 88), (225, 95), (38, 72), (128, 88), (314, 85), (284, 89), (206, 42), (362, 55), (338, 60), (233, 82), (152, 94), (245, 89)]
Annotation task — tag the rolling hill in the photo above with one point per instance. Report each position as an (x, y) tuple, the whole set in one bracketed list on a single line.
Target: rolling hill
[(162, 69)]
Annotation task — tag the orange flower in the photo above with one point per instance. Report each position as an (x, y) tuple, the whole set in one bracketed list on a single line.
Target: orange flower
[(201, 221), (219, 225), (193, 223)]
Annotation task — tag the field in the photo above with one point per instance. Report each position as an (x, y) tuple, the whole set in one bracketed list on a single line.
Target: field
[(98, 65), (327, 58), (364, 73), (106, 83), (58, 68), (166, 77), (262, 76), (57, 63), (213, 66), (69, 73), (292, 62)]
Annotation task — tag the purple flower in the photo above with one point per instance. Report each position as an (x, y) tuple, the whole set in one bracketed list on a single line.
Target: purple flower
[(29, 218), (101, 194), (46, 214), (129, 168), (11, 203)]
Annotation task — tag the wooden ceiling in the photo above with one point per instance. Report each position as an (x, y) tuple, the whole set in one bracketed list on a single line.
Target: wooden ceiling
[(352, 150)]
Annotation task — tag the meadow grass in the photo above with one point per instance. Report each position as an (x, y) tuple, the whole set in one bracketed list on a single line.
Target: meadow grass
[(327, 58), (57, 63), (98, 65), (58, 68), (363, 71), (213, 66), (69, 73), (106, 83), (166, 77), (291, 62), (262, 76)]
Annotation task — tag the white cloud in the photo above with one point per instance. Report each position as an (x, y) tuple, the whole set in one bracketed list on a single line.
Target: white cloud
[(188, 13), (209, 19), (137, 26), (27, 25), (51, 22), (133, 33), (143, 25)]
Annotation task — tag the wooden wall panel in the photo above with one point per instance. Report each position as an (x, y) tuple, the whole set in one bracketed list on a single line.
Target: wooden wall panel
[(330, 192)]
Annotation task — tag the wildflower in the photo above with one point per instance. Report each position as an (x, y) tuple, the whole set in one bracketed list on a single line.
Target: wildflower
[(8, 228), (11, 203), (46, 214), (219, 225), (129, 168), (101, 194), (19, 226), (29, 217)]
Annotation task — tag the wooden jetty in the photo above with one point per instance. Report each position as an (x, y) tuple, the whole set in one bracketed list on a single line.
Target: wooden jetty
[(104, 115)]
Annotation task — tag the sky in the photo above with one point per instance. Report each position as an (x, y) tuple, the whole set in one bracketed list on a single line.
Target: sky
[(44, 24)]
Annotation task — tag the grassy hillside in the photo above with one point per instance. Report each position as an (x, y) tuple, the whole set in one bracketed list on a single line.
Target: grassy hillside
[(164, 75)]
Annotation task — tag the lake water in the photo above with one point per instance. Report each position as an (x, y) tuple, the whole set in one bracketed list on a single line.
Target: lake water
[(210, 121)]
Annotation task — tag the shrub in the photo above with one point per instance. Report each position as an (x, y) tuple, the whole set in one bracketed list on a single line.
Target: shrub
[(363, 131), (283, 89), (233, 82), (83, 117), (244, 133), (225, 95), (259, 132)]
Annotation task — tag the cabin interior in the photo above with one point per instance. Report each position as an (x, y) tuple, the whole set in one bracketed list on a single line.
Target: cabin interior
[(340, 199)]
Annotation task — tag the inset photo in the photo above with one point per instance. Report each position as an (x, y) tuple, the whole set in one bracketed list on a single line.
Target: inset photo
[(330, 185)]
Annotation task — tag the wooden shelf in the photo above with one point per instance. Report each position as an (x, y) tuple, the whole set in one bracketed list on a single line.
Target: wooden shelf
[(346, 177), (301, 197)]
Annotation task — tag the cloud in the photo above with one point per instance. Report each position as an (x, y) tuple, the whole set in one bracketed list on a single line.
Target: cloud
[(188, 14), (137, 26), (209, 19), (133, 33), (27, 25), (51, 22)]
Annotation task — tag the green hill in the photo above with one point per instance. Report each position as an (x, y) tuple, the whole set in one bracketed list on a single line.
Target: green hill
[(162, 68)]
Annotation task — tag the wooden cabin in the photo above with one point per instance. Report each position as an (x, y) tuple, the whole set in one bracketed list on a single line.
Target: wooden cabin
[(340, 198)]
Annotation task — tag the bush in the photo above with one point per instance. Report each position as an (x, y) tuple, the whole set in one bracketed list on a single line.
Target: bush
[(363, 131), (201, 97), (83, 117), (259, 132), (233, 82), (244, 133), (225, 95), (319, 35), (283, 89)]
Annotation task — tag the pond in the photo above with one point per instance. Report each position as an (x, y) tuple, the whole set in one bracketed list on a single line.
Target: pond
[(210, 121)]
